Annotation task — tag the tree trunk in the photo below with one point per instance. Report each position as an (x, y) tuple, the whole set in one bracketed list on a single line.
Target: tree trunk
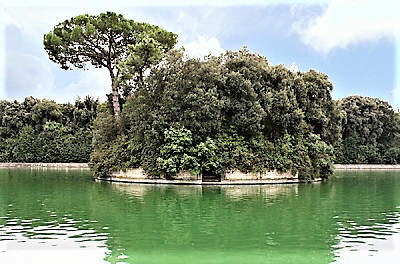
[(115, 97)]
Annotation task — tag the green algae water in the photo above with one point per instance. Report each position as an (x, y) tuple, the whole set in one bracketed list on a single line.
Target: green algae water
[(59, 216)]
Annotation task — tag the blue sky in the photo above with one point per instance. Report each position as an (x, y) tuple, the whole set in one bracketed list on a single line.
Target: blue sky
[(355, 42)]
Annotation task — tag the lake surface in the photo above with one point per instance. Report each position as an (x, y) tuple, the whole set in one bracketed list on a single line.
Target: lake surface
[(58, 216)]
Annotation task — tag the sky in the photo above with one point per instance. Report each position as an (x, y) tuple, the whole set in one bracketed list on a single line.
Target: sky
[(355, 42)]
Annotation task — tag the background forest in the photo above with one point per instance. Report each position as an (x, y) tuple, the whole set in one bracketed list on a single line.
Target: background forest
[(43, 131)]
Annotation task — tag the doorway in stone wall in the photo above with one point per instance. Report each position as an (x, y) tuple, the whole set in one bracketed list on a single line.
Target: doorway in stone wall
[(210, 176)]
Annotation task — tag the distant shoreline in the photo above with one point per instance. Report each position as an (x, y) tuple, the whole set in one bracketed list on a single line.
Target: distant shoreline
[(367, 167), (86, 166), (46, 165)]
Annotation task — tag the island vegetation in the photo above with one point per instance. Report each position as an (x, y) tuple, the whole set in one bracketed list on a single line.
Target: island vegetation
[(235, 112), (168, 112)]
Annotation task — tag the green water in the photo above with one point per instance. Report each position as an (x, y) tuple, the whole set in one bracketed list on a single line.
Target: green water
[(57, 216)]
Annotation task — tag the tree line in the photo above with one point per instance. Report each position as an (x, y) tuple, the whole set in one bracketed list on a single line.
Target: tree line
[(370, 132), (43, 131)]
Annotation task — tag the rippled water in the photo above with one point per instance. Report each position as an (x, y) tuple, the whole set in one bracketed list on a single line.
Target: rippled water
[(54, 216)]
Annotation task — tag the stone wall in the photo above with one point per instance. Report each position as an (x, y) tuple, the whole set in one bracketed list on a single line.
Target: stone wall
[(131, 174), (268, 175), (187, 175), (139, 173), (228, 176)]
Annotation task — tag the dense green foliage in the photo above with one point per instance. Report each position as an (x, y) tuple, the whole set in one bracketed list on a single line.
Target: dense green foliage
[(371, 132), (235, 111), (231, 112), (108, 40), (44, 131)]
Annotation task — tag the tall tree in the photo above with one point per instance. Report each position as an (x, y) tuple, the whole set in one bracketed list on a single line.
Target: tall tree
[(105, 41)]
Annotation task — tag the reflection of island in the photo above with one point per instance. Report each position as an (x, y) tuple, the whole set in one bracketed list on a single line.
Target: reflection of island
[(135, 190), (231, 192), (141, 190), (265, 191)]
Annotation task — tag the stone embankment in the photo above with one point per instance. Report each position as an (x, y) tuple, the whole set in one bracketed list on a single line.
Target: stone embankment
[(231, 177), (185, 177), (46, 165), (367, 167), (200, 182)]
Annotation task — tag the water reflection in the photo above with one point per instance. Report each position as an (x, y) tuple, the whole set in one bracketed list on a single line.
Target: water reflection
[(232, 192), (351, 216), (69, 217), (369, 219), (378, 241), (140, 191), (241, 224), (62, 242), (42, 218), (267, 192)]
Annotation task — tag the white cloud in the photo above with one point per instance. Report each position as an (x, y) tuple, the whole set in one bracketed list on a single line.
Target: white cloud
[(93, 82), (87, 3), (26, 17), (182, 15), (27, 75), (349, 22), (203, 46)]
